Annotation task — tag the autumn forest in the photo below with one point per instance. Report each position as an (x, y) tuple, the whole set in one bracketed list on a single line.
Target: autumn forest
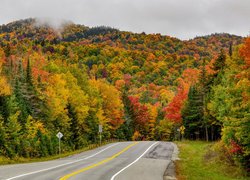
[(138, 86)]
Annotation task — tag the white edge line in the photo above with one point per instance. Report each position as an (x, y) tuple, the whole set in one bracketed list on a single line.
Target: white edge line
[(34, 172), (113, 177)]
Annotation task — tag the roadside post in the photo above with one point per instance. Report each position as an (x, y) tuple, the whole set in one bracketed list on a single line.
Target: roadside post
[(59, 136), (100, 133), (179, 134)]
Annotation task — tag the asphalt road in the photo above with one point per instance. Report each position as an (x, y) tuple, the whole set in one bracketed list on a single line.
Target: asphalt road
[(145, 160)]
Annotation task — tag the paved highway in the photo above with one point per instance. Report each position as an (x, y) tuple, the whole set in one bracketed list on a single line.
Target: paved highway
[(145, 160)]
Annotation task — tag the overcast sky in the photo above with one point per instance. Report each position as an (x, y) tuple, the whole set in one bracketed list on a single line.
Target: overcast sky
[(179, 18)]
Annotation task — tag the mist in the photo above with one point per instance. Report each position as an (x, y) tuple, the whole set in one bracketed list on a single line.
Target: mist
[(183, 19)]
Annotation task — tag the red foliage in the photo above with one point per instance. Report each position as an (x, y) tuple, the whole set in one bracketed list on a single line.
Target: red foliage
[(173, 110), (127, 79), (235, 148), (191, 76), (140, 111), (245, 52)]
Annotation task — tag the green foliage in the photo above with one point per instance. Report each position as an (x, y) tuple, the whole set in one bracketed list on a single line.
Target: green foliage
[(220, 62), (192, 113), (230, 105), (202, 160)]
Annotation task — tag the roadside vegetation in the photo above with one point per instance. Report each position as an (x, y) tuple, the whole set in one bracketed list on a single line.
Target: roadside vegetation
[(5, 160), (206, 160)]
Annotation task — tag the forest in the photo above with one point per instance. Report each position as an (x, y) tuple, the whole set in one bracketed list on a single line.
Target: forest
[(138, 86)]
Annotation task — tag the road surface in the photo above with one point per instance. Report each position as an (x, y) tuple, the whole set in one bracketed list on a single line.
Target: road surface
[(145, 160)]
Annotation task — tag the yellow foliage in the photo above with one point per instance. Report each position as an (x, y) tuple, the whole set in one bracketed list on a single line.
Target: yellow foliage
[(136, 136), (166, 95), (77, 98), (32, 126), (58, 95), (112, 105), (4, 86)]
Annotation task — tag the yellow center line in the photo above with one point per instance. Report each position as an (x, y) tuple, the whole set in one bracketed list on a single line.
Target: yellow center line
[(97, 164)]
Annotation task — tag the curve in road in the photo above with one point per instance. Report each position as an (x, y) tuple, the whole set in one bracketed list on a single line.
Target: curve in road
[(119, 161)]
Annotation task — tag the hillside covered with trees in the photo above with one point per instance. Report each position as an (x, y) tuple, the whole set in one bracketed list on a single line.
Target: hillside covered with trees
[(138, 86)]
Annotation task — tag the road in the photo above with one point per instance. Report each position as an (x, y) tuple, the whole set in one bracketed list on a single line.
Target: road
[(145, 160)]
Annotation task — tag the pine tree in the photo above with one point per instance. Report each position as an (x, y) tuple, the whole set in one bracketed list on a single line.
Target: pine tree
[(28, 73), (204, 90), (220, 62), (230, 49), (13, 132), (192, 113), (2, 136), (74, 127)]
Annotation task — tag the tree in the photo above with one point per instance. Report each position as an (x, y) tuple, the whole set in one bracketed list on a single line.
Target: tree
[(5, 89), (112, 105), (232, 109), (28, 73), (77, 110), (140, 116), (2, 137), (13, 132), (173, 110), (220, 62), (230, 51), (57, 99), (192, 113)]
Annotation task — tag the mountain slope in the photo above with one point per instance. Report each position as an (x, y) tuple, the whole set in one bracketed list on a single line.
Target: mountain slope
[(72, 78)]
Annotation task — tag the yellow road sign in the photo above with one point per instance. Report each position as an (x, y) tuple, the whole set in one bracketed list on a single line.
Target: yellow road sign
[(182, 129)]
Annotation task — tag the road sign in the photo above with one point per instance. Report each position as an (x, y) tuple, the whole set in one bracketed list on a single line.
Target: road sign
[(182, 129), (59, 135), (100, 128), (100, 133)]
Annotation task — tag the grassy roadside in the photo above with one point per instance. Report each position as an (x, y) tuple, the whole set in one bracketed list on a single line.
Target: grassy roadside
[(4, 160), (194, 166)]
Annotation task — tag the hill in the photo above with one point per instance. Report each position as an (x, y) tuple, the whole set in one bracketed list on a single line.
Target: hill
[(70, 78)]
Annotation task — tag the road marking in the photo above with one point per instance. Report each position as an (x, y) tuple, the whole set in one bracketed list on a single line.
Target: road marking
[(97, 164), (54, 167), (113, 177)]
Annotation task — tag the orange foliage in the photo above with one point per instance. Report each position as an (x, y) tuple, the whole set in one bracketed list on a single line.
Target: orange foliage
[(245, 52), (191, 76)]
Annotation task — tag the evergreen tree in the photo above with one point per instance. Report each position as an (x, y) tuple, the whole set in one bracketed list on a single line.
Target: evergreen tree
[(192, 113), (28, 73), (2, 136), (230, 49), (74, 127), (13, 132), (220, 62), (204, 90)]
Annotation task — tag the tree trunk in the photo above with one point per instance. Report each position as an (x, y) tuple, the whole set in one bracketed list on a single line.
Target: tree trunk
[(206, 133), (212, 133)]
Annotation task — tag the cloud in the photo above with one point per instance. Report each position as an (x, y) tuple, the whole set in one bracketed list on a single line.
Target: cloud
[(180, 18)]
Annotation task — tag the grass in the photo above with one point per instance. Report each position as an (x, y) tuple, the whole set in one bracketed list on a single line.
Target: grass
[(194, 165), (17, 160)]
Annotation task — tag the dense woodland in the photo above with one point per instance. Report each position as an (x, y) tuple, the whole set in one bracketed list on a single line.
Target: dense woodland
[(138, 86)]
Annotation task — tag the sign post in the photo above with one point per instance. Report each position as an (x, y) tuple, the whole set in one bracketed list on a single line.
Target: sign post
[(179, 134), (59, 136), (100, 133)]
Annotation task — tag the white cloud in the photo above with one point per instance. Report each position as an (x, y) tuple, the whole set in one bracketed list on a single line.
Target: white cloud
[(180, 18)]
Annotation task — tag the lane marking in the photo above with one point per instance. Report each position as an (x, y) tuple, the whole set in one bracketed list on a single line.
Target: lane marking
[(54, 167), (113, 177), (97, 164)]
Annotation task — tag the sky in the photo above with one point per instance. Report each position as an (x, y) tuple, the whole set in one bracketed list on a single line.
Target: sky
[(183, 19)]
